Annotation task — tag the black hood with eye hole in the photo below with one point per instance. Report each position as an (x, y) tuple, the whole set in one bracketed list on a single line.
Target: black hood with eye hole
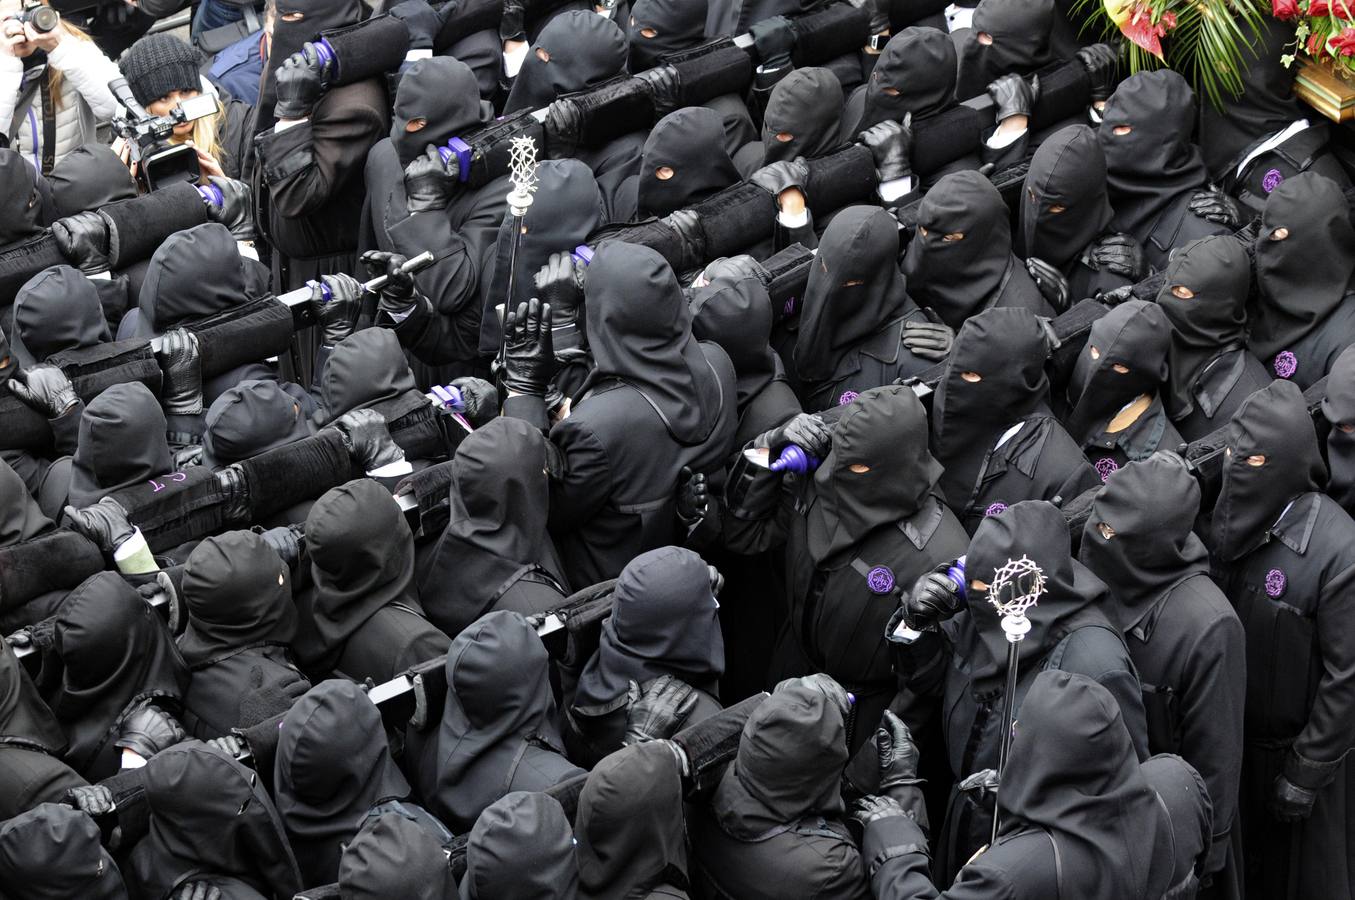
[(298, 21), (1068, 170), (807, 104), (443, 92), (918, 65), (1020, 32), (676, 25), (1134, 335), (687, 146), (576, 49)]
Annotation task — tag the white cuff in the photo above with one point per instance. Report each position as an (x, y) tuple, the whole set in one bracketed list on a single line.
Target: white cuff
[(999, 140), (134, 556), (893, 190), (793, 220), (283, 126), (390, 470), (416, 55), (513, 60)]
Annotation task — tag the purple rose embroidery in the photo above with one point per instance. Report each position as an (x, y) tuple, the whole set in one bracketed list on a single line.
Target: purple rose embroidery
[(1105, 467), (995, 509), (1271, 180), (847, 397), (880, 580), (1286, 364), (1275, 583)]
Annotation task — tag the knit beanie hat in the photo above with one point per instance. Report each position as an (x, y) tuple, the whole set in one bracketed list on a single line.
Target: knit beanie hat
[(158, 64)]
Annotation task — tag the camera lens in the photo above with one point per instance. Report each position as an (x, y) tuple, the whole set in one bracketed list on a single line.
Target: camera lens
[(43, 19)]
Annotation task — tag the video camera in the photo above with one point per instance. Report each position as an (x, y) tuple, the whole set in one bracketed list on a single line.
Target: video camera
[(43, 18), (159, 162)]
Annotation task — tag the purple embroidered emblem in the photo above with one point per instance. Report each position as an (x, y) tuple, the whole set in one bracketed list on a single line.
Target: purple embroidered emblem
[(880, 580), (1105, 467), (1286, 364), (789, 307), (1275, 583), (847, 397), (995, 509), (1271, 180)]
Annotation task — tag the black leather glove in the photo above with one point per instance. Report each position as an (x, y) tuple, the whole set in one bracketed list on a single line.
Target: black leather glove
[(234, 489), (422, 21), (806, 430), (897, 754), (686, 224), (196, 890), (890, 143), (148, 731), (264, 701), (179, 359), (826, 685), (91, 799), (665, 87), (559, 284), (872, 809), (1215, 206), (782, 176), (337, 314), (105, 523), (773, 39), (733, 269), (879, 13), (1102, 63), (83, 240), (45, 389), (367, 439), (933, 599), (1118, 253), (480, 397), (236, 211), (528, 351), (564, 126), (299, 86), (287, 542), (232, 745), (1052, 284), (430, 182), (929, 340), (658, 711), (398, 295), (513, 22), (1289, 802), (693, 497), (1013, 95), (187, 457), (326, 64)]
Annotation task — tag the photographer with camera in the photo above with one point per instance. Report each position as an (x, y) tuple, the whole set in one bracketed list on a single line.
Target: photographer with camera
[(53, 83)]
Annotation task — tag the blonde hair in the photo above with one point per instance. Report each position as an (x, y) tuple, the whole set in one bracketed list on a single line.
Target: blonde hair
[(55, 80), (204, 133)]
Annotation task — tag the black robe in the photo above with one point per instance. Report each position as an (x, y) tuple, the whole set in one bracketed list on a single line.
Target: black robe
[(31, 744), (522, 846), (803, 116), (122, 443), (683, 162), (1338, 408), (54, 853), (57, 309)]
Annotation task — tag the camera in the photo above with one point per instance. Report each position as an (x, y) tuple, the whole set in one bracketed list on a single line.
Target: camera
[(43, 18), (159, 162)]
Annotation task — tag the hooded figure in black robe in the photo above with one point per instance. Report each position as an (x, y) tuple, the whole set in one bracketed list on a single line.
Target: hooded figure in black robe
[(1115, 410), (495, 553), (57, 309), (1018, 33), (663, 622), (1081, 816), (122, 443), (522, 846), (252, 417), (1065, 208), (629, 828), (21, 520), (991, 425), (915, 73), (240, 621), (1339, 409), (1153, 167), (363, 370), (31, 744), (21, 212), (497, 731), (211, 821), (855, 312), (1183, 635), (53, 852), (1287, 557), (657, 400), (333, 765), (362, 615), (1305, 270), (395, 856), (682, 163), (88, 177), (963, 664), (1210, 370), (803, 116), (436, 101), (657, 28), (960, 260), (116, 656)]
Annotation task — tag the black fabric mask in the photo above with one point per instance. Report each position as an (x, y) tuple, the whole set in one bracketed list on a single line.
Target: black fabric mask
[(88, 177), (649, 344), (576, 49), (629, 826), (193, 274), (1303, 277), (664, 622), (20, 203), (854, 289), (1020, 31), (53, 852), (789, 765), (443, 92), (395, 856), (57, 309), (239, 595), (522, 847), (1073, 773), (807, 105), (333, 764), (1068, 170), (121, 443), (919, 66), (1006, 349), (20, 516), (1152, 165), (687, 146), (884, 429), (365, 368), (1272, 423), (252, 417), (1264, 106), (675, 25), (738, 317), (297, 22), (1139, 538), (1134, 335), (1339, 408), (25, 721), (956, 276), (1216, 271)]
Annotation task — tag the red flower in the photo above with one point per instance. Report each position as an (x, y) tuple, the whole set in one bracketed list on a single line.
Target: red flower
[(1317, 48), (1344, 43), (1285, 9), (1340, 8)]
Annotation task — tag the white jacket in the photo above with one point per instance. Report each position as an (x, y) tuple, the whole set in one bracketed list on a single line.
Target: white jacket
[(86, 101)]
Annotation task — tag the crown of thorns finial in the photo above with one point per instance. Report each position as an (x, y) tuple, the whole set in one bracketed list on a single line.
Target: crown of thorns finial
[(522, 164), (1016, 587)]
